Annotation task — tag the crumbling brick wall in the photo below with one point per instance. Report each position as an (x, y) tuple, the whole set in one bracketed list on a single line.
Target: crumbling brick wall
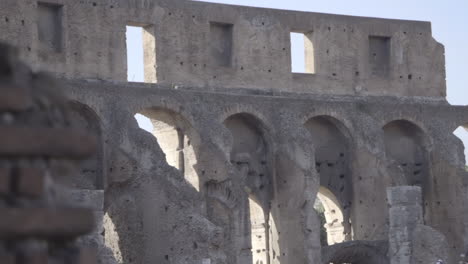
[(36, 144)]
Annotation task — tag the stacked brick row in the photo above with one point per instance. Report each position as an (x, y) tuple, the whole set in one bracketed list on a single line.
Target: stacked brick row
[(36, 142)]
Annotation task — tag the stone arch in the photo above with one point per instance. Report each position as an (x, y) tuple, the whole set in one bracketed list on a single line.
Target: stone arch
[(245, 110), (406, 147), (407, 153), (89, 185), (251, 156), (356, 252), (178, 140), (410, 119), (91, 173), (338, 119), (331, 141)]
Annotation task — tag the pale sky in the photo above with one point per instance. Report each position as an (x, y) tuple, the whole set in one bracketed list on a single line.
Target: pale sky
[(449, 25)]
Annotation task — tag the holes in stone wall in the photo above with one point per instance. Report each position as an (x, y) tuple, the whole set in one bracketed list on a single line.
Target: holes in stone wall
[(302, 53), (379, 55), (141, 53), (91, 175), (49, 26), (405, 146), (221, 40), (172, 133), (462, 133), (250, 155)]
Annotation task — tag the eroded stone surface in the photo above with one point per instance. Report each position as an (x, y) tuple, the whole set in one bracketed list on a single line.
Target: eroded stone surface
[(241, 147)]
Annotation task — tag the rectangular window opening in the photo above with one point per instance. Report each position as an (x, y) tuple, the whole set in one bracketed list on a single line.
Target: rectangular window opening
[(49, 26), (221, 43), (379, 55), (302, 53), (141, 53)]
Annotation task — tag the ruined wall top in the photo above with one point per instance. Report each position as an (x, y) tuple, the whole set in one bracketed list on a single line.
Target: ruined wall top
[(214, 46)]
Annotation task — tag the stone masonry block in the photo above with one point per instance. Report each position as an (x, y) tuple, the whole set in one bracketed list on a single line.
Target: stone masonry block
[(52, 142), (404, 195), (7, 259), (87, 256), (404, 216), (5, 180), (45, 223), (31, 182), (14, 99), (34, 258)]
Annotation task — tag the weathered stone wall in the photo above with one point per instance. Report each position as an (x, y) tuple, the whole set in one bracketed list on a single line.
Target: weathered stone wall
[(410, 241), (246, 132), (295, 181), (211, 45)]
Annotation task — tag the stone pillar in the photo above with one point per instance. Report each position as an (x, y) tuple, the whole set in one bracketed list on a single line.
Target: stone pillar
[(405, 215), (92, 199), (410, 241)]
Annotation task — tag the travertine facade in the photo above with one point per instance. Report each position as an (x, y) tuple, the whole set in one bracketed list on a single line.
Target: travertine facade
[(242, 147)]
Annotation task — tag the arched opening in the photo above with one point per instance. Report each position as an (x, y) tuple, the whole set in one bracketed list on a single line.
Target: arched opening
[(332, 218), (406, 148), (176, 137), (89, 185), (462, 133), (250, 155), (258, 227), (332, 163), (356, 252), (90, 170)]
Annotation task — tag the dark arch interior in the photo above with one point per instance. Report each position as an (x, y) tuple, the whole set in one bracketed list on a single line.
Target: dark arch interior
[(90, 170), (406, 148), (249, 154), (332, 160), (357, 252)]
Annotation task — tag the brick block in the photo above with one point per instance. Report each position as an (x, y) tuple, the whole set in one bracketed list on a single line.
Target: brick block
[(33, 258), (43, 141), (87, 256), (5, 180), (7, 259), (45, 223), (15, 99), (31, 182)]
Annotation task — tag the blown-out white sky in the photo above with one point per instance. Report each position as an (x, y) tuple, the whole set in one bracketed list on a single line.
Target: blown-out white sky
[(449, 24)]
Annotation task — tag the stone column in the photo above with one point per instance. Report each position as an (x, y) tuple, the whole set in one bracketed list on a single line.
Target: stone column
[(94, 200), (405, 215)]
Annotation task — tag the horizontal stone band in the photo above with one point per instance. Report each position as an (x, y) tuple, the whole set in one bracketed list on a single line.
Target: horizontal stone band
[(45, 223), (14, 99), (41, 141)]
